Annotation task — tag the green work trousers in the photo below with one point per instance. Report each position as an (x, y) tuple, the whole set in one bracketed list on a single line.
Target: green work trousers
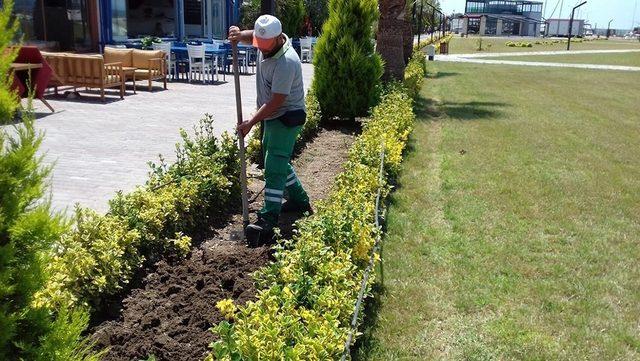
[(277, 144)]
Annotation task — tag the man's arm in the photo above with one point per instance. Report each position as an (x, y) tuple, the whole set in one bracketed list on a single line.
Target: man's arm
[(244, 36), (265, 110)]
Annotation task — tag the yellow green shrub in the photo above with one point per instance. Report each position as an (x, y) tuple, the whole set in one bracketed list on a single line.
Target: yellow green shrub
[(307, 295), (100, 255), (414, 73)]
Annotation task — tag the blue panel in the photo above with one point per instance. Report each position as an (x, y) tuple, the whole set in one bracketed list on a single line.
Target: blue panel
[(106, 31)]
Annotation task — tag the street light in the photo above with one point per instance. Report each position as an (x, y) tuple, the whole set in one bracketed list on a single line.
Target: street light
[(571, 23), (608, 28)]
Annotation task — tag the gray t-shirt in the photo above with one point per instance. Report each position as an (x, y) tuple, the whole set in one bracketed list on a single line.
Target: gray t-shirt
[(282, 74)]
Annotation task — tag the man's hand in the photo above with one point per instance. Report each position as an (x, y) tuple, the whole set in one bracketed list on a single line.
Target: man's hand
[(234, 34), (245, 127)]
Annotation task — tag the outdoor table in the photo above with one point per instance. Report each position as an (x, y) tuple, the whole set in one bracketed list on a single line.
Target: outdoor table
[(30, 60), (24, 66), (222, 53)]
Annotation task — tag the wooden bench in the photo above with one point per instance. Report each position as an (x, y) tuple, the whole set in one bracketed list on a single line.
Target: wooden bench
[(89, 71)]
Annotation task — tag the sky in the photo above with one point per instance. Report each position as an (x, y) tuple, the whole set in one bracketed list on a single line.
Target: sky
[(596, 11)]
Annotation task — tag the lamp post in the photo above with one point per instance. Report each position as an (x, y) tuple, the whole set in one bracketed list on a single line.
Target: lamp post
[(571, 23), (609, 28)]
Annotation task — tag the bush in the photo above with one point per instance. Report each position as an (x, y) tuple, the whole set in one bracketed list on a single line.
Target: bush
[(414, 73), (436, 41), (8, 99), (99, 256), (307, 295), (347, 70), (518, 44), (28, 229), (318, 11), (291, 13)]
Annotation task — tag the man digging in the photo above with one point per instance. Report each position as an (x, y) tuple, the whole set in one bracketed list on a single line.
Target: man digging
[(281, 108)]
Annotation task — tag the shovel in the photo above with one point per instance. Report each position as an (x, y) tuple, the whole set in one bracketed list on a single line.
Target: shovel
[(243, 164)]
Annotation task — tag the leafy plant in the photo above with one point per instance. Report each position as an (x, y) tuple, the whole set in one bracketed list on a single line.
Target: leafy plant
[(28, 230), (306, 296), (318, 12), (99, 256), (291, 14), (414, 73), (148, 41), (347, 70)]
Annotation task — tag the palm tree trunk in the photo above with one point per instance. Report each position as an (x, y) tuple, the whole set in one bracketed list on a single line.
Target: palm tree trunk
[(407, 39), (390, 38)]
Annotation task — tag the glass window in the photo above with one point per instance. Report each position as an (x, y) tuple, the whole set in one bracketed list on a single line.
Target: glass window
[(150, 17), (119, 20), (54, 24)]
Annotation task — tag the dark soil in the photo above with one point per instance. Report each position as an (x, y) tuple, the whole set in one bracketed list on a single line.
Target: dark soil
[(170, 315)]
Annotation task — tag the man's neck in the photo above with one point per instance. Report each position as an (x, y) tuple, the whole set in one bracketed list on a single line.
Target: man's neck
[(276, 49)]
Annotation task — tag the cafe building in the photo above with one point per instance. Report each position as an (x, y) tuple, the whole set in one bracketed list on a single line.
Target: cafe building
[(87, 25)]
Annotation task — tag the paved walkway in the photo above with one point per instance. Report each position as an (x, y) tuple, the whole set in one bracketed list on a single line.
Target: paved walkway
[(101, 148), (481, 59)]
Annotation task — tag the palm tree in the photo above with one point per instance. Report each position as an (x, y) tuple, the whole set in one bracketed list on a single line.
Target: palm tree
[(390, 38)]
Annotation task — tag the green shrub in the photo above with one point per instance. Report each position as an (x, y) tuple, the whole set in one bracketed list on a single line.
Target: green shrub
[(347, 70), (306, 296), (28, 230), (318, 11), (249, 12), (8, 100), (518, 44), (414, 73), (100, 255), (291, 13)]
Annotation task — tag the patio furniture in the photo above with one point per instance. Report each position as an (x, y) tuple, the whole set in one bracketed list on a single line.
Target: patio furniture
[(198, 63), (170, 58), (146, 64), (306, 49), (214, 55), (130, 73), (88, 71), (31, 74)]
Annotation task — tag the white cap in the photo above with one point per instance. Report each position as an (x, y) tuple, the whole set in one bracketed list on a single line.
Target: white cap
[(267, 27)]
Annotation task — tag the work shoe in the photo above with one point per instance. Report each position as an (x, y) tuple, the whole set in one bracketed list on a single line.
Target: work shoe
[(291, 206), (259, 233)]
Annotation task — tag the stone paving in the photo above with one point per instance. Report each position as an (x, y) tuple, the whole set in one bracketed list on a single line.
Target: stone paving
[(100, 148), (481, 59)]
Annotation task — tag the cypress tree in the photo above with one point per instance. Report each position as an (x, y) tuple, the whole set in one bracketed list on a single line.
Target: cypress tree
[(28, 232), (347, 70)]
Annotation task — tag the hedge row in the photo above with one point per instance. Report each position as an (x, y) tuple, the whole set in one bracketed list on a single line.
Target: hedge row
[(307, 295), (518, 44), (99, 256), (436, 41)]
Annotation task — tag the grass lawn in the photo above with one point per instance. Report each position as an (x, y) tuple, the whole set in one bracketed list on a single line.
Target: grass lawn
[(514, 233), (469, 45), (627, 59)]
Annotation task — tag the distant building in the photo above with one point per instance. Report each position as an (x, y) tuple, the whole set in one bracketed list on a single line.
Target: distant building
[(502, 17), (455, 22)]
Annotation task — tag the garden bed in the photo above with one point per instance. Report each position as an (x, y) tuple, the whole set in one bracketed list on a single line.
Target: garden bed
[(169, 316)]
